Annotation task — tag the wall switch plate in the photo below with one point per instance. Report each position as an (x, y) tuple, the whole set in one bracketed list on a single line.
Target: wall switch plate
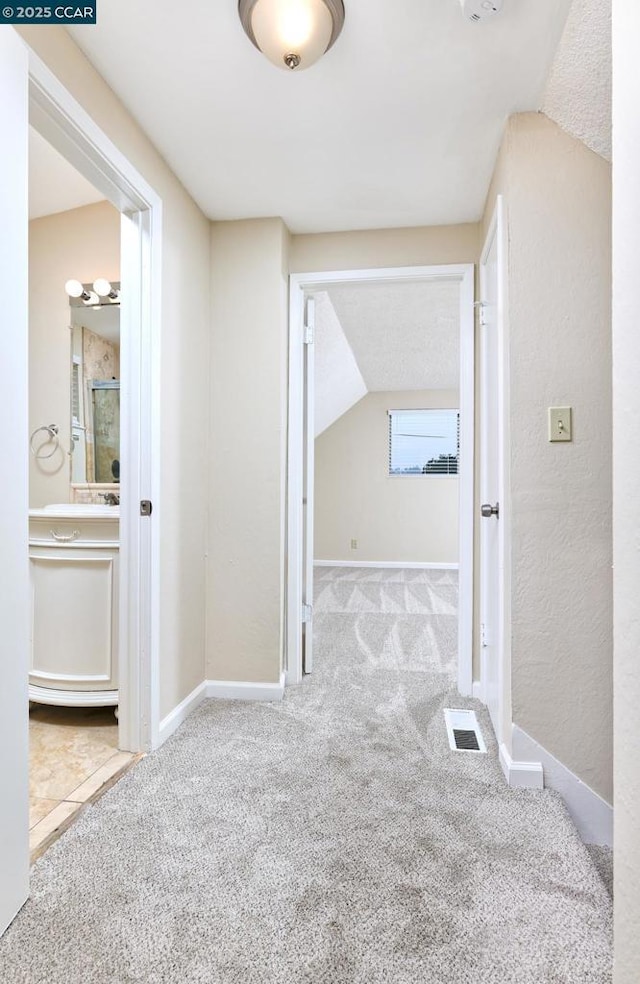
[(560, 424), (354, 544)]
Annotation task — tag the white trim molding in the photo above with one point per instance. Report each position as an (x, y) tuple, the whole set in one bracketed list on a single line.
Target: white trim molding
[(218, 690), (301, 285), (592, 815), (65, 124), (179, 714), (390, 564), (239, 690), (521, 775)]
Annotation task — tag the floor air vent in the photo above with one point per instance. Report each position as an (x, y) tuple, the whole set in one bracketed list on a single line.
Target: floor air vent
[(464, 731), (466, 740)]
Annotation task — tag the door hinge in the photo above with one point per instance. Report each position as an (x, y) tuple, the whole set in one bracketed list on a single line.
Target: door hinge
[(483, 636), (307, 613), (481, 305), (309, 320)]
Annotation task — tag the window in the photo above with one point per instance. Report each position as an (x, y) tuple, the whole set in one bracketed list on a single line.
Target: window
[(424, 442)]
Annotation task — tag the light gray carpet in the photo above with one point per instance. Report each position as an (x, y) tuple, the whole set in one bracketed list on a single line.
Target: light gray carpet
[(602, 858), (330, 839)]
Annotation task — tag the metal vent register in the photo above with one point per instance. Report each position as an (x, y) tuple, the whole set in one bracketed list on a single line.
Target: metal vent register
[(464, 731)]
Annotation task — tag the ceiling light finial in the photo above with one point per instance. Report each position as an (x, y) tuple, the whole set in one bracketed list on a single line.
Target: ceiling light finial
[(293, 34)]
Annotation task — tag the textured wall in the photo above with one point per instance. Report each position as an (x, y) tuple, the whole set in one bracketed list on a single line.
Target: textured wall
[(384, 248), (626, 471), (248, 390), (184, 338), (578, 93), (393, 519), (559, 207), (83, 244), (338, 380)]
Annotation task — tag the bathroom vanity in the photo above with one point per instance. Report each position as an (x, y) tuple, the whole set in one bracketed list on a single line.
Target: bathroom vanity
[(73, 556)]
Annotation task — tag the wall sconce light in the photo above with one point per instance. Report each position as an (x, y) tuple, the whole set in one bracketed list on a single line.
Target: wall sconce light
[(293, 34), (75, 289), (92, 295), (103, 288)]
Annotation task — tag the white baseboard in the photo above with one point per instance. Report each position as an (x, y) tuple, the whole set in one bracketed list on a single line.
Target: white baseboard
[(174, 719), (477, 690), (393, 564), (522, 775), (592, 815), (219, 690), (238, 690)]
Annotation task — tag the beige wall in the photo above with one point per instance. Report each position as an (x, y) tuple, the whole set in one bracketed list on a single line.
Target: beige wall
[(421, 246), (626, 473), (184, 398), (392, 518), (558, 205), (82, 244), (248, 388)]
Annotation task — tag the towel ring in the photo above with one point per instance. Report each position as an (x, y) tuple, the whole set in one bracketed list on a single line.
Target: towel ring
[(52, 431)]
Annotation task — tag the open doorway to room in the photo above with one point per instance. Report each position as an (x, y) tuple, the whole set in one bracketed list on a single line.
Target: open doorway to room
[(381, 461), (94, 289), (74, 493), (386, 475)]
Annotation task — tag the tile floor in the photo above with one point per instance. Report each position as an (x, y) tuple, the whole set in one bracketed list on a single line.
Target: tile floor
[(73, 754)]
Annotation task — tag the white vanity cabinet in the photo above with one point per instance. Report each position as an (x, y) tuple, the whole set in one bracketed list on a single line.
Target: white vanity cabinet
[(73, 558)]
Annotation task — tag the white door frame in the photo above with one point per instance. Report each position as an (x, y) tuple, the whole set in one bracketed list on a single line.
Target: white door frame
[(69, 129), (497, 232), (463, 274)]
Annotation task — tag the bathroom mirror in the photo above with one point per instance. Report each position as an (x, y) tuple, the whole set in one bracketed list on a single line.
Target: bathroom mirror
[(95, 392)]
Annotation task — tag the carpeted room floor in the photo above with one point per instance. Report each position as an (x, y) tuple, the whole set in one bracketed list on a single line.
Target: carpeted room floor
[(330, 839)]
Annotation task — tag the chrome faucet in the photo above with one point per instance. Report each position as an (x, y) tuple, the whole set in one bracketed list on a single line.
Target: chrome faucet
[(110, 498)]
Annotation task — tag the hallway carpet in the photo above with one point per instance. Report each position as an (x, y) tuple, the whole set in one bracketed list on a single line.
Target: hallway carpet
[(330, 839)]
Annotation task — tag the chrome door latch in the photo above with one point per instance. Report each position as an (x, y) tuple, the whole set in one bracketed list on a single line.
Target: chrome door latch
[(488, 510), (146, 507)]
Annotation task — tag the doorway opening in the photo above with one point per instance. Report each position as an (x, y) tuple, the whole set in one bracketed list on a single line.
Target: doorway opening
[(95, 229), (369, 369)]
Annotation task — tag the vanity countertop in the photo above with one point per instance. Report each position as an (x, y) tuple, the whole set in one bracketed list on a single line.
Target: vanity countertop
[(73, 510)]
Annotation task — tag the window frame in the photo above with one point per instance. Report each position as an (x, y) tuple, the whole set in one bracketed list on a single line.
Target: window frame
[(420, 475)]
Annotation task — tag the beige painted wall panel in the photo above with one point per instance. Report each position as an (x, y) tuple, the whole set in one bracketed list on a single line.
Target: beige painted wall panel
[(559, 210), (185, 329), (248, 450), (421, 246), (82, 244), (626, 471), (410, 519)]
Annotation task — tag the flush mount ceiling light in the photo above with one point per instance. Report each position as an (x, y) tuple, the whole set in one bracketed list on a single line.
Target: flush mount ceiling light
[(293, 34)]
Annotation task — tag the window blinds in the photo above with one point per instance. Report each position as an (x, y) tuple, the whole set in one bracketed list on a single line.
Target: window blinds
[(424, 442)]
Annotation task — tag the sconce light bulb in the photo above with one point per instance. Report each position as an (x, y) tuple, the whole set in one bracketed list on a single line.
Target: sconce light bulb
[(102, 287), (74, 288)]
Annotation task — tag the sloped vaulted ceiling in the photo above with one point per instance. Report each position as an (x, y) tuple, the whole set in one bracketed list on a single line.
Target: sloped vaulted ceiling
[(578, 94), (373, 337)]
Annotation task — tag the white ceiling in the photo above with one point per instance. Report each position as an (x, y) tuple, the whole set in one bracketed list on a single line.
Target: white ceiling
[(578, 95), (103, 320), (54, 185), (404, 336), (383, 337), (398, 125)]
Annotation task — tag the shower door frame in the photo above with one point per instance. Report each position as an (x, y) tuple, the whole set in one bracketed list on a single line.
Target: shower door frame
[(62, 121)]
